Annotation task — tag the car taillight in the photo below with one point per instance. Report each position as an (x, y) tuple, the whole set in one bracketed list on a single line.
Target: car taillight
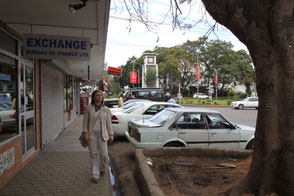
[(12, 116), (114, 119)]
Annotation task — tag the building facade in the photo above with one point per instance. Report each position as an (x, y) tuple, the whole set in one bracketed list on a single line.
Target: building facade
[(40, 97)]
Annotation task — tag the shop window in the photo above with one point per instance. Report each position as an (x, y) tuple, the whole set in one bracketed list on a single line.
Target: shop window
[(8, 43), (68, 96), (8, 97)]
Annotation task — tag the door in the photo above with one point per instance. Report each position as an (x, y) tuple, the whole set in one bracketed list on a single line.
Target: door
[(26, 108), (191, 129), (221, 133)]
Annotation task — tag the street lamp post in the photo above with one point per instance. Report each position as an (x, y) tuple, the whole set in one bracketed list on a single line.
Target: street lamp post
[(216, 84)]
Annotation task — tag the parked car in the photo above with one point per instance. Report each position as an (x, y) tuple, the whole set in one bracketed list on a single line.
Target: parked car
[(128, 104), (111, 103), (152, 94), (189, 127), (139, 111), (5, 105), (7, 119), (200, 96), (249, 102)]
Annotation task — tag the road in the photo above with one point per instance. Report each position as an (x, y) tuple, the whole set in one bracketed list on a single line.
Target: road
[(122, 153), (244, 117)]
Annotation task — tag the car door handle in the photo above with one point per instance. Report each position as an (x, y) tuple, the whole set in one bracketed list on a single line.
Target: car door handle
[(212, 133), (182, 132)]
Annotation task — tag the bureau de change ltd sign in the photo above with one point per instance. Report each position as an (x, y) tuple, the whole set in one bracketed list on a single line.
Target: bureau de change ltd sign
[(56, 47)]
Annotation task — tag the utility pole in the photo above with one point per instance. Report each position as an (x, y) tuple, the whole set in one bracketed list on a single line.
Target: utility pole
[(216, 84), (133, 71), (197, 83)]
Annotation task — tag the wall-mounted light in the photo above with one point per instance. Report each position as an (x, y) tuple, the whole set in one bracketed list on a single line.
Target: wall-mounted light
[(75, 7)]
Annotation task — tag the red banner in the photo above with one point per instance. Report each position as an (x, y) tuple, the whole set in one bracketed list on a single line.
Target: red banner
[(138, 79), (114, 71), (198, 75), (216, 79), (133, 77)]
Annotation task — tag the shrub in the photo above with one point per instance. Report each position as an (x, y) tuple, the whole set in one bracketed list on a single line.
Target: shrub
[(190, 101), (229, 101), (232, 93)]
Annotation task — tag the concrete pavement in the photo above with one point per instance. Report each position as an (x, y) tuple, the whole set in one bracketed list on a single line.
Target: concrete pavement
[(62, 168)]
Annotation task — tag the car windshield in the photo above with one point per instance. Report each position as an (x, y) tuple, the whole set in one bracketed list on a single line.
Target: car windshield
[(133, 108), (162, 117), (246, 99), (128, 105)]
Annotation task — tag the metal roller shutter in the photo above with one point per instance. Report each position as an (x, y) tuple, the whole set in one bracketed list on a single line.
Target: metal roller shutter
[(52, 103)]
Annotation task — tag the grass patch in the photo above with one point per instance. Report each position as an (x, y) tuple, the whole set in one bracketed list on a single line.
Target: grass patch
[(189, 100)]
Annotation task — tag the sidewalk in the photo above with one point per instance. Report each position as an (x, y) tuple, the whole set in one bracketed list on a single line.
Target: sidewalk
[(62, 168)]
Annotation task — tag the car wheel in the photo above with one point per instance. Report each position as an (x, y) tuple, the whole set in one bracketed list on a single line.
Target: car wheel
[(250, 145), (174, 144), (241, 107)]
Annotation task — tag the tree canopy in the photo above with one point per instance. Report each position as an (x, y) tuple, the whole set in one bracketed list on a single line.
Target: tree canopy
[(178, 65)]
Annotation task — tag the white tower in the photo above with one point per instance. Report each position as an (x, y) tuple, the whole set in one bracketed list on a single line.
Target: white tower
[(149, 63)]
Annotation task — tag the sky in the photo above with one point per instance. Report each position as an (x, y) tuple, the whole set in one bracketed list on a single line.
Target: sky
[(125, 39)]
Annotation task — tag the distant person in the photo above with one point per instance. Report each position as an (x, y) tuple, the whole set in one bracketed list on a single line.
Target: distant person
[(167, 95), (121, 100), (171, 100), (130, 96), (13, 102), (179, 96), (97, 131)]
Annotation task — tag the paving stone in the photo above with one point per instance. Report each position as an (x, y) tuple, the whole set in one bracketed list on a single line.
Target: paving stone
[(57, 170)]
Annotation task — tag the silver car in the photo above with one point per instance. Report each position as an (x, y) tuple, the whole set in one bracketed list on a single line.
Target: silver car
[(190, 127), (249, 102)]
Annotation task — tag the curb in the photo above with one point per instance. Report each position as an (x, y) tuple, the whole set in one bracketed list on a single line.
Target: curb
[(146, 179), (144, 176), (213, 106)]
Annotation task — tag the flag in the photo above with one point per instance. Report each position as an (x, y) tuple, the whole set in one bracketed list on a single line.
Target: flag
[(133, 77), (216, 79)]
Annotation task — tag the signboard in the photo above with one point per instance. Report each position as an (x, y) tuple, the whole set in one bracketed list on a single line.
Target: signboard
[(5, 77), (114, 71), (133, 77), (6, 160), (56, 47)]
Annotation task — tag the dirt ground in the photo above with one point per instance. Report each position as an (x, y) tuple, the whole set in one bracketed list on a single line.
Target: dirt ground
[(198, 175), (203, 177)]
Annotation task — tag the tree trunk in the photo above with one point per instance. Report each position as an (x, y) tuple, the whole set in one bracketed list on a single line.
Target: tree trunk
[(266, 27)]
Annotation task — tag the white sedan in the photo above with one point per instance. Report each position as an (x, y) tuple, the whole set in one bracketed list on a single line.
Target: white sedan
[(7, 119), (127, 105), (200, 96), (189, 127), (139, 111), (249, 102)]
